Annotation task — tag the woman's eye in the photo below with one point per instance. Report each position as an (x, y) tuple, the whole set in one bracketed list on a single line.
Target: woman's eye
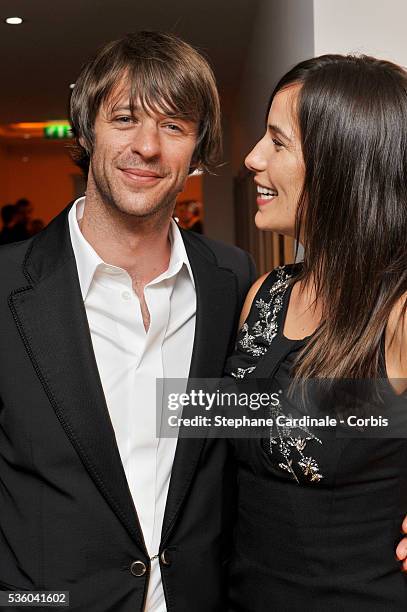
[(277, 143)]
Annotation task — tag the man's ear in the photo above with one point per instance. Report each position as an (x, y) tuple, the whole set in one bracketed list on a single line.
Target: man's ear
[(195, 167), (195, 171)]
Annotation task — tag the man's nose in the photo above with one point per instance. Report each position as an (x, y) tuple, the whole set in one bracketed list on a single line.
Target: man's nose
[(146, 140)]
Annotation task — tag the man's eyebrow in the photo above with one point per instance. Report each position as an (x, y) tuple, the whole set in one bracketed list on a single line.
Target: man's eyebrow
[(278, 130), (121, 108)]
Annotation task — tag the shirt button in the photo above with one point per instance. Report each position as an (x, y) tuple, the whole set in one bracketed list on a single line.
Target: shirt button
[(138, 568), (126, 295)]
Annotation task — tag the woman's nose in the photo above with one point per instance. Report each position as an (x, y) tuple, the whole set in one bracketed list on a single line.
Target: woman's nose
[(256, 159)]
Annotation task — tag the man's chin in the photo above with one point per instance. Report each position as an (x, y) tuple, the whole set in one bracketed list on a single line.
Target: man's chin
[(136, 204), (143, 210)]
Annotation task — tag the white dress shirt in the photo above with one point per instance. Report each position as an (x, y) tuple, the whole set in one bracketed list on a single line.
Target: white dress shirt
[(129, 360)]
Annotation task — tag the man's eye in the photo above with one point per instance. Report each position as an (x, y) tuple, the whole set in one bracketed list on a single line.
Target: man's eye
[(124, 119), (173, 127)]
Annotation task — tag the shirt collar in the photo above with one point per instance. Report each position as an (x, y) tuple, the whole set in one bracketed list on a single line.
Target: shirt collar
[(87, 260)]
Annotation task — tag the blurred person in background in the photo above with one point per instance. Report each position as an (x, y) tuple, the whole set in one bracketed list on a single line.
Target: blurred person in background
[(196, 223), (188, 215), (36, 226), (9, 215), (183, 214), (24, 211)]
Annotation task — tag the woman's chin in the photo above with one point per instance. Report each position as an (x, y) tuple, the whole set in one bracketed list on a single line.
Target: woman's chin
[(263, 222)]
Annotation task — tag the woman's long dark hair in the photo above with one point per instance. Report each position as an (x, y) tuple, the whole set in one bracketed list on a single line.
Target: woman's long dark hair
[(352, 115)]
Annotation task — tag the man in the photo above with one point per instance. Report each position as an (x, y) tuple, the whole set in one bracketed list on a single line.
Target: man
[(183, 214), (196, 220), (109, 297), (187, 215), (22, 227), (8, 216), (15, 219)]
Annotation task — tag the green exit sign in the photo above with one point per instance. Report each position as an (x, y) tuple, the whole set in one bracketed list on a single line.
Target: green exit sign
[(57, 130)]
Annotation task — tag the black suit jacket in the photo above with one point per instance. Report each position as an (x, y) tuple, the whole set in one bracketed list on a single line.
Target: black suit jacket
[(67, 519)]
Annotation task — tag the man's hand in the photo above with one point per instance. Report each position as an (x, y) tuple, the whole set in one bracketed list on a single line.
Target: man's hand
[(401, 550)]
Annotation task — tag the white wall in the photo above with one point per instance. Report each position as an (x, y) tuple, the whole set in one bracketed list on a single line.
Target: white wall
[(282, 35), (218, 196), (375, 27)]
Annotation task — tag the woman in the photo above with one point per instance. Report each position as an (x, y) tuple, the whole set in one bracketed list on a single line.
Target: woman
[(319, 517)]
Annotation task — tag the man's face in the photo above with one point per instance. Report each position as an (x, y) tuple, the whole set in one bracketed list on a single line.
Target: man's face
[(140, 161)]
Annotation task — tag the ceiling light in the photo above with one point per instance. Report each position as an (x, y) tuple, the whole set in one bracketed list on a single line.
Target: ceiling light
[(14, 20)]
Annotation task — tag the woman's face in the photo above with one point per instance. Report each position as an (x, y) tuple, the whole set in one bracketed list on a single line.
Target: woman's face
[(278, 166)]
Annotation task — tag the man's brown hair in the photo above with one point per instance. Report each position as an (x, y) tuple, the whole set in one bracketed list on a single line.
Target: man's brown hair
[(164, 74)]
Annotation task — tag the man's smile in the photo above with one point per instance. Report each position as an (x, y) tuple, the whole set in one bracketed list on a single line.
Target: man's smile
[(141, 177)]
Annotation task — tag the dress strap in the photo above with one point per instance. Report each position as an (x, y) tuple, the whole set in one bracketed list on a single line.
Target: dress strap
[(281, 346)]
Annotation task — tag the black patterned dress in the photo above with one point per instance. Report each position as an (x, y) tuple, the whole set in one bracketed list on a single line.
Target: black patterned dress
[(318, 517)]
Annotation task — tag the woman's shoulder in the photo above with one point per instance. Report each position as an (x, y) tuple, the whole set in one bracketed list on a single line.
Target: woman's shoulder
[(267, 284)]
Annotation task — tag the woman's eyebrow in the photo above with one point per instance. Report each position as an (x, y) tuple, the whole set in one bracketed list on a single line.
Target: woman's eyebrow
[(278, 130)]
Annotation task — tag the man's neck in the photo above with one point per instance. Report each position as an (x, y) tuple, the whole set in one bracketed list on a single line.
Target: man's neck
[(140, 246)]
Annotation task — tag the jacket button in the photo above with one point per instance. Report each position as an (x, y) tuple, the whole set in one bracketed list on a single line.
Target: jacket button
[(138, 568), (165, 557)]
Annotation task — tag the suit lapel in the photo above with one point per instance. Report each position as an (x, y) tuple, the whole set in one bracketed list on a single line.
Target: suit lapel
[(51, 318), (216, 293)]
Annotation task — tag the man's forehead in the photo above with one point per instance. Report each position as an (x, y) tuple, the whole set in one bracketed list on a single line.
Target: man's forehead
[(123, 98)]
